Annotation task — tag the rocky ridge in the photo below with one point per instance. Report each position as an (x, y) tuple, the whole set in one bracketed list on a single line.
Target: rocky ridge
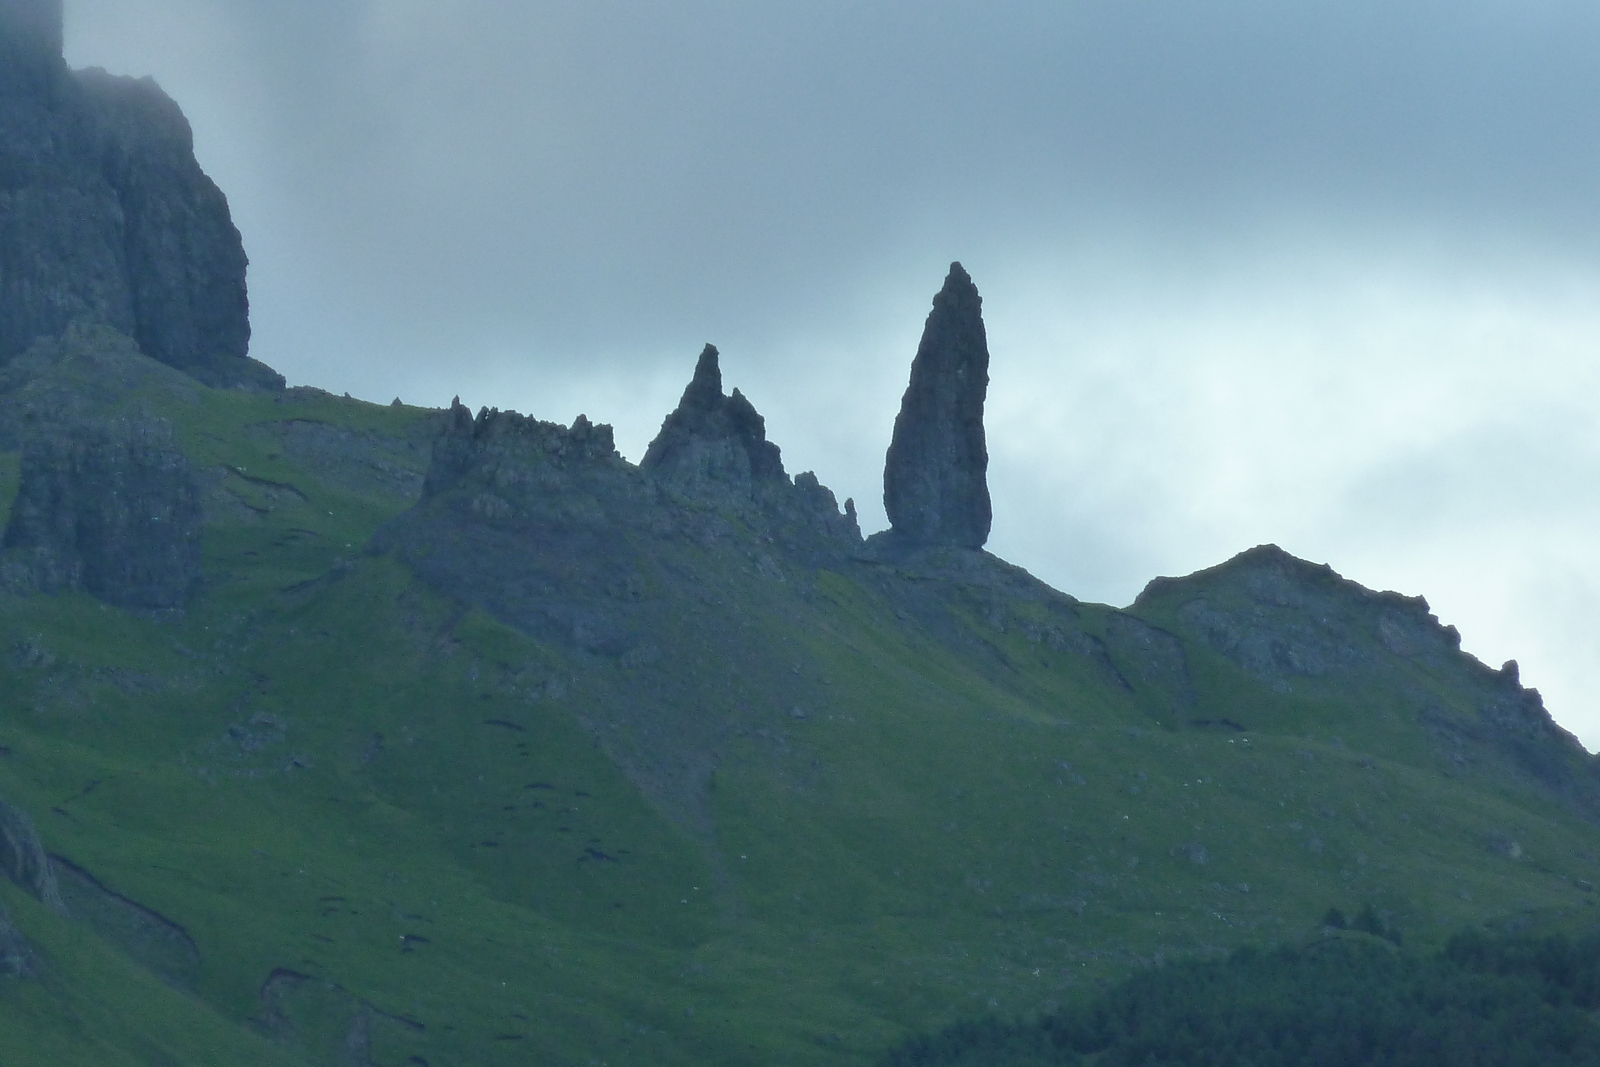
[(1300, 628), (554, 533), (561, 524)]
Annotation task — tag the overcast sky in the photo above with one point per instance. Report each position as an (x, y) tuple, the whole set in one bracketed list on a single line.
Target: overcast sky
[(1324, 274)]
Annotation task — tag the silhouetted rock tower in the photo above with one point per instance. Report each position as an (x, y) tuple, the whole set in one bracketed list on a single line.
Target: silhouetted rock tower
[(712, 437), (935, 486)]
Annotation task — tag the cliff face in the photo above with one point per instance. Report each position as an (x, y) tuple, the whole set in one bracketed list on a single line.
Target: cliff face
[(106, 217), (108, 506)]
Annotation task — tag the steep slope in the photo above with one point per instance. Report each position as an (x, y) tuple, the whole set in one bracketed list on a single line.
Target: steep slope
[(477, 744)]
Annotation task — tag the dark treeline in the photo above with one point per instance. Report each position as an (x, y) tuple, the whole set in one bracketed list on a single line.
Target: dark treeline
[(1501, 1000)]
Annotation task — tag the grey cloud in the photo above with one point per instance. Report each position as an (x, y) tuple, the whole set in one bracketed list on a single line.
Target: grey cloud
[(598, 173)]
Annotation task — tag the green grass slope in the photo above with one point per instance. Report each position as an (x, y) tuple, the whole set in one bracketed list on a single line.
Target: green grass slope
[(334, 812)]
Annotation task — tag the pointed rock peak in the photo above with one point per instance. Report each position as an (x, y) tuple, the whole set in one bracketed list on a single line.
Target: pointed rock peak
[(713, 437), (935, 477), (705, 388), (959, 289)]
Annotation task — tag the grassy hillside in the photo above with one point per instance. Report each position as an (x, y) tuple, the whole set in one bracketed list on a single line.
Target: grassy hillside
[(335, 812)]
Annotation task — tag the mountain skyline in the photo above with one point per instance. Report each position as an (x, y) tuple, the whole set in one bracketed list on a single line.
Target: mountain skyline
[(374, 732), (1323, 278)]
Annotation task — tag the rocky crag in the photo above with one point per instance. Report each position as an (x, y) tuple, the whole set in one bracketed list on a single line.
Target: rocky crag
[(24, 862), (545, 503), (1303, 631), (106, 217), (713, 449), (551, 531), (712, 439), (110, 506), (935, 487)]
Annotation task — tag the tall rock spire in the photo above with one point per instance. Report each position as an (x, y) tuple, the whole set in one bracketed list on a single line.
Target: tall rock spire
[(935, 486)]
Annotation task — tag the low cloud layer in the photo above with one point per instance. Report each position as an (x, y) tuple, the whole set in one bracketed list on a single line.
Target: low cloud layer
[(1319, 274)]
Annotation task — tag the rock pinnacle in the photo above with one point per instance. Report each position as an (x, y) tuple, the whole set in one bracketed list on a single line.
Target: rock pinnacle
[(935, 486), (714, 438)]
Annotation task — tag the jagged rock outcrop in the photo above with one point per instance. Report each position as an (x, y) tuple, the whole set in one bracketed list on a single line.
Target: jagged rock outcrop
[(935, 486), (653, 584), (1280, 618), (503, 450), (106, 217), (713, 439), (543, 525), (713, 448), (23, 859), (552, 530), (108, 506)]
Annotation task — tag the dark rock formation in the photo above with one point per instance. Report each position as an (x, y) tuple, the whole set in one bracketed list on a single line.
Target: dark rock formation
[(648, 577), (934, 478), (106, 217), (30, 42), (552, 531), (1281, 618), (712, 438), (110, 507), (23, 859), (502, 450), (713, 449)]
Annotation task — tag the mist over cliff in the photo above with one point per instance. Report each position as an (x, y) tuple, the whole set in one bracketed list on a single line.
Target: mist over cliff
[(106, 217)]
